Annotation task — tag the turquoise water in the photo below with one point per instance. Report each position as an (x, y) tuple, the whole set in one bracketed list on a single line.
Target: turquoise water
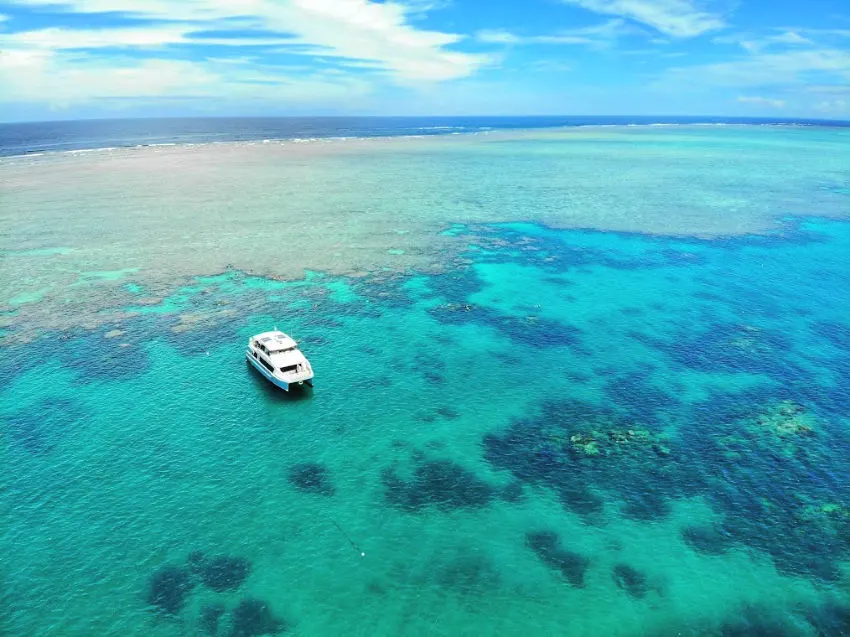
[(561, 432), (443, 416)]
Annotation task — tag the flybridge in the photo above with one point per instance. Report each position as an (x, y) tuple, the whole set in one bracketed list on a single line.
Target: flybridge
[(275, 342)]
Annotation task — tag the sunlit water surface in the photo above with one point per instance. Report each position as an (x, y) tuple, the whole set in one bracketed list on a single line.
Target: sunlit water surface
[(568, 383)]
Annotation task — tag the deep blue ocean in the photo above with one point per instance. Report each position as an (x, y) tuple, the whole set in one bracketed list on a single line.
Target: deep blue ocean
[(37, 137)]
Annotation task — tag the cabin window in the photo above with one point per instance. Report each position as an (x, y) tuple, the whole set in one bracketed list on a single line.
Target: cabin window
[(267, 365), (289, 368)]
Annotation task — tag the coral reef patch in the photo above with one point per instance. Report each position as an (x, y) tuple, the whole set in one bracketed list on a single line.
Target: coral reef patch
[(547, 546), (210, 617), (630, 580), (224, 573), (39, 428), (439, 483), (311, 477), (168, 588), (766, 463), (253, 618)]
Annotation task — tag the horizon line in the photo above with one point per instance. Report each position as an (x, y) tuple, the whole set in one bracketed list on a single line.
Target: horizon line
[(754, 118)]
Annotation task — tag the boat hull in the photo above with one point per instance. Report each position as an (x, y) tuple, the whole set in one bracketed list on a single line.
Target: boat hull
[(274, 381)]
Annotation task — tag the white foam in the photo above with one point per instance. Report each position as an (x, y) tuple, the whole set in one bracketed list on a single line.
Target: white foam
[(84, 151)]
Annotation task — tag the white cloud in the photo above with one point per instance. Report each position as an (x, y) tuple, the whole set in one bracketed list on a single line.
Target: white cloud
[(677, 18), (550, 66), (789, 68), (774, 39), (829, 89), (355, 29), (372, 42), (833, 107), (30, 76), (790, 37), (498, 36), (599, 35), (56, 39), (762, 101)]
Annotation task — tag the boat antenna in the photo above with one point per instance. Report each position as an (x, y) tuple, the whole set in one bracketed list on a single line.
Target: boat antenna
[(347, 537)]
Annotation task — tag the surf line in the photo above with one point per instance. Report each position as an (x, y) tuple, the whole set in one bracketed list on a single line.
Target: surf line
[(350, 541)]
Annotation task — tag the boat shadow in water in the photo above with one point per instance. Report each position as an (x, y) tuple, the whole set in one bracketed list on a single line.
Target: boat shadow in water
[(296, 392)]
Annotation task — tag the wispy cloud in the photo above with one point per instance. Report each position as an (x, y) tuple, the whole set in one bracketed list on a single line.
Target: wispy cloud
[(833, 107), (802, 69), (599, 35), (676, 18), (382, 33), (829, 89), (787, 68), (782, 39), (68, 79), (762, 101), (789, 37)]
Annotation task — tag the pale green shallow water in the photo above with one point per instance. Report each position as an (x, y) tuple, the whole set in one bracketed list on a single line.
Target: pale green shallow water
[(348, 207), (482, 363)]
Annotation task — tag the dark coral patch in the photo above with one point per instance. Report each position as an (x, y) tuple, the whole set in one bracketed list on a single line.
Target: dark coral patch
[(630, 580), (439, 483), (512, 492), (311, 477), (581, 451), (646, 506), (469, 573), (455, 286), (224, 573), (831, 619), (770, 466), (547, 546), (16, 361), (92, 357), (210, 618), (580, 499), (168, 588), (254, 617), (39, 428), (448, 413), (838, 334), (639, 398), (534, 331), (707, 539), (732, 347), (195, 561), (433, 377), (758, 622)]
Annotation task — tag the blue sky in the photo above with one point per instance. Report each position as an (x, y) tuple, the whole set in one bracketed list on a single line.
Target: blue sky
[(126, 58)]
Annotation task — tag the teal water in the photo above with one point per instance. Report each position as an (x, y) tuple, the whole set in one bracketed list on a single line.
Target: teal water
[(443, 416), (561, 432)]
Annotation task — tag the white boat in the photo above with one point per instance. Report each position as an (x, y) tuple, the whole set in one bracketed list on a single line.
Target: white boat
[(277, 357)]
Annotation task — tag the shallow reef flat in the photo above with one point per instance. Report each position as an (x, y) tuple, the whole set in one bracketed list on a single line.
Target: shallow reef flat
[(565, 432), (79, 228)]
